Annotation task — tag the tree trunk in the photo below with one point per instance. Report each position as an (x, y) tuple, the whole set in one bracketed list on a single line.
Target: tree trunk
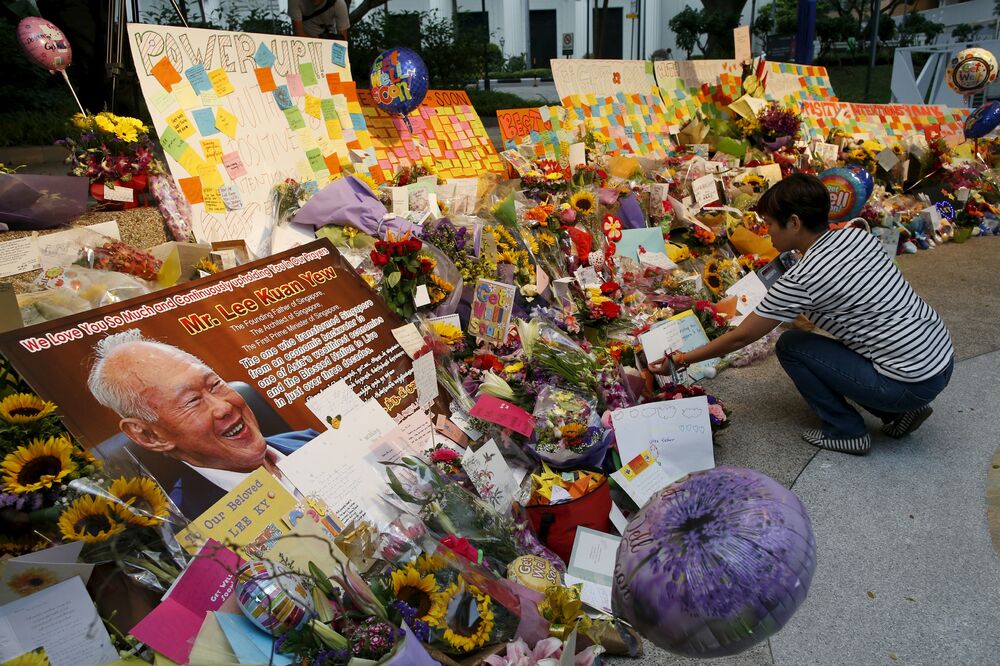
[(363, 8), (601, 24), (721, 45)]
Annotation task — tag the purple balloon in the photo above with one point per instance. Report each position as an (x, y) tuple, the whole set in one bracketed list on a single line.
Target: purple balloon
[(714, 563)]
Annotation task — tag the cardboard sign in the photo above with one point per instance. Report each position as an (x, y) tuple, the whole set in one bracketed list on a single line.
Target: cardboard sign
[(504, 414), (518, 124), (492, 306)]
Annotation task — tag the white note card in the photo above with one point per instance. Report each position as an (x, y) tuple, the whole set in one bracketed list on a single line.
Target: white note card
[(678, 433)]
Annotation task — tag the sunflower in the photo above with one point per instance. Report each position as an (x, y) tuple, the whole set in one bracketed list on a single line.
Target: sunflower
[(21, 544), (34, 658), (24, 408), (147, 505), (711, 274), (418, 591), (475, 631), (38, 465), (427, 564), (90, 519), (367, 180), (31, 580), (583, 202)]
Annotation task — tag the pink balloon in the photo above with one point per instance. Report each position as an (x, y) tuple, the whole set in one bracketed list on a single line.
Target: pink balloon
[(44, 44)]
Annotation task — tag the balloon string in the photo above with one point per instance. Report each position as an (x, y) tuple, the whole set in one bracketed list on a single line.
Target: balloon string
[(66, 78)]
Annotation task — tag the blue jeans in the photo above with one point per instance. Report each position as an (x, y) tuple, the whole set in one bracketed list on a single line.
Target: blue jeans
[(828, 374)]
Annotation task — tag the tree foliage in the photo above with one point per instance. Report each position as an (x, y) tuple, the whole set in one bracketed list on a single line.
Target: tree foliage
[(964, 32), (709, 29), (918, 24)]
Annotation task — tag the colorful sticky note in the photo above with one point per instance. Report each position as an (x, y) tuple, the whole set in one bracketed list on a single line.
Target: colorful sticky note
[(191, 187), (332, 163), (213, 200), (315, 157), (190, 160), (294, 118), (308, 73), (165, 73), (181, 124), (234, 165), (205, 119), (329, 109), (172, 143), (338, 54), (198, 78), (282, 97), (313, 106), (186, 97), (333, 129), (227, 122), (263, 57), (265, 79), (220, 82), (231, 197), (210, 176), (161, 100), (212, 150), (295, 88)]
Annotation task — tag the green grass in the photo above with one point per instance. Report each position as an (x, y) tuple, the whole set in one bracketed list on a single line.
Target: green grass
[(486, 102), (849, 83)]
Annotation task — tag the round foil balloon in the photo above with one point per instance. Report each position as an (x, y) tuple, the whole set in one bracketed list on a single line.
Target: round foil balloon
[(865, 177), (971, 70), (44, 44), (399, 81), (983, 120), (847, 193), (273, 598), (714, 563)]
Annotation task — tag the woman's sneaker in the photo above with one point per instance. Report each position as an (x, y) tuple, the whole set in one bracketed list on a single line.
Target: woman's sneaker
[(858, 446), (908, 422)]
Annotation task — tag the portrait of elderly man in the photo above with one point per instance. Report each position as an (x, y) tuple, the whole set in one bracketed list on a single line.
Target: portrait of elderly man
[(170, 402)]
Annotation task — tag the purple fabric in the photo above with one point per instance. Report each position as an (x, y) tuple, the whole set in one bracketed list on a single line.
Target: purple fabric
[(412, 653), (630, 213), (29, 202), (349, 202)]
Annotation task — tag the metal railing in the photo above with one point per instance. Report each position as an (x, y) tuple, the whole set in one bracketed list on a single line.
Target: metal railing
[(928, 86)]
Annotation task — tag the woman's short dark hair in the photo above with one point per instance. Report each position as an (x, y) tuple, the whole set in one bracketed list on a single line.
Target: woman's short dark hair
[(798, 194)]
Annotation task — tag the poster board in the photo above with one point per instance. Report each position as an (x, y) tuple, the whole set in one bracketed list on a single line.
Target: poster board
[(287, 327), (446, 129), (237, 113), (879, 120), (518, 124), (603, 78), (634, 123)]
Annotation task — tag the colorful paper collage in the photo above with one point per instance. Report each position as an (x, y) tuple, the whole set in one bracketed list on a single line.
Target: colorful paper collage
[(603, 78), (446, 129), (879, 120), (260, 112), (800, 82)]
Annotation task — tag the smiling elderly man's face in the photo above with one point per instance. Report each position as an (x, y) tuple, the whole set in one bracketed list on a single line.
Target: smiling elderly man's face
[(200, 419)]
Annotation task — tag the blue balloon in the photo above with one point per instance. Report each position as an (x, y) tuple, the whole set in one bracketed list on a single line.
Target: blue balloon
[(398, 81), (847, 193), (983, 120), (864, 177)]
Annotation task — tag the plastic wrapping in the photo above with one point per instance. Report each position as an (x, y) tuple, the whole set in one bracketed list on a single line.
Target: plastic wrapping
[(568, 432), (76, 289)]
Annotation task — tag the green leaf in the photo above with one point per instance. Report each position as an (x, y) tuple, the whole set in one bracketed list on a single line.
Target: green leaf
[(393, 278), (321, 579)]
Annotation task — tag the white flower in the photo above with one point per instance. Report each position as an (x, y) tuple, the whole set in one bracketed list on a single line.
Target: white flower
[(528, 331), (495, 385)]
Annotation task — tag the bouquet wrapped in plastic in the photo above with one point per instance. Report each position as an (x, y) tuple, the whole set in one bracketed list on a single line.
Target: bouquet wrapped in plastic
[(568, 432)]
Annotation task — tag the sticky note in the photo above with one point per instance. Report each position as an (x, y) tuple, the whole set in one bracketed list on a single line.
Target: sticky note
[(191, 187), (308, 73), (161, 100), (332, 163), (210, 176), (313, 106), (220, 82), (263, 57), (212, 150), (198, 78), (213, 200), (205, 119), (338, 54), (226, 122), (316, 162), (181, 124), (190, 160), (165, 73), (234, 165), (333, 129), (294, 118), (231, 197), (265, 79), (185, 95), (172, 143), (329, 109), (294, 82), (282, 97)]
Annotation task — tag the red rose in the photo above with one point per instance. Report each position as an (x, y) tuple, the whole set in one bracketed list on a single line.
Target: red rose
[(610, 287), (461, 547), (444, 455), (379, 259), (414, 245), (610, 309), (426, 265)]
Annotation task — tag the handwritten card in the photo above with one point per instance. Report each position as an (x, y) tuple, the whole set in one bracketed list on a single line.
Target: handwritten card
[(308, 73), (491, 476), (231, 197), (593, 556), (226, 121), (205, 120), (492, 306), (234, 165), (412, 437), (409, 338), (198, 78), (282, 97), (294, 83), (264, 57), (334, 403), (826, 152), (677, 433), (749, 291), (426, 377), (265, 79), (220, 82), (504, 414), (181, 124), (704, 190), (641, 478), (649, 240), (212, 150), (338, 54)]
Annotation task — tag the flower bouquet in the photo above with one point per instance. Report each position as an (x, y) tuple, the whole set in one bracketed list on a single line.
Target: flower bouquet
[(404, 269), (113, 152), (555, 353), (568, 432)]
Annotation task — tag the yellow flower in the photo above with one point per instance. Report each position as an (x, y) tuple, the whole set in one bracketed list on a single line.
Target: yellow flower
[(34, 658), (418, 591), (513, 368), (555, 175), (461, 635), (105, 124), (597, 300), (430, 563), (583, 202), (83, 122), (710, 273), (367, 180), (449, 333), (547, 239), (147, 505), (24, 408), (90, 519), (38, 465), (31, 580)]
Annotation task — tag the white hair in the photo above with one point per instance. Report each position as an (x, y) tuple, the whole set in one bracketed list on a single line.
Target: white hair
[(114, 393)]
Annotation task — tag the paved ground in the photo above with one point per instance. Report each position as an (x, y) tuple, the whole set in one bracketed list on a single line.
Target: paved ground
[(906, 569)]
